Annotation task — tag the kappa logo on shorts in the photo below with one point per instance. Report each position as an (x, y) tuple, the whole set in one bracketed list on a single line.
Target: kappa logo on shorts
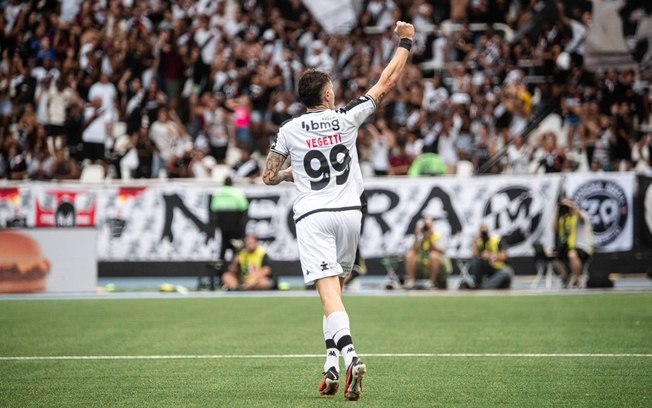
[(324, 266)]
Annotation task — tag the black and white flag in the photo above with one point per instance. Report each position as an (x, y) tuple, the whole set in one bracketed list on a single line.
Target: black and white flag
[(620, 36)]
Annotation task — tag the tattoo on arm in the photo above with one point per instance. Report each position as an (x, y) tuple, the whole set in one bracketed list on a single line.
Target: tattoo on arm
[(272, 174), (381, 96)]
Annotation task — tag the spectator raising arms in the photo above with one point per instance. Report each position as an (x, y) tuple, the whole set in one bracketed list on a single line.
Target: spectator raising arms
[(230, 71)]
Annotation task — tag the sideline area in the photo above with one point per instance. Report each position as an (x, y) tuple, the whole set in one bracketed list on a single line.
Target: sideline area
[(185, 287), (369, 283)]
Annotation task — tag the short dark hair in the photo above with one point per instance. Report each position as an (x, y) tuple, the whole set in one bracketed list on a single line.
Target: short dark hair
[(311, 86)]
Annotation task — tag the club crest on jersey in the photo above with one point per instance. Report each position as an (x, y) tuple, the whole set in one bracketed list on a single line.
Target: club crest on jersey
[(320, 125)]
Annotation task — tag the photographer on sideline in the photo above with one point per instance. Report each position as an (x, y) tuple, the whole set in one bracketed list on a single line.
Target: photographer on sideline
[(250, 268), (574, 241), (489, 267), (426, 258)]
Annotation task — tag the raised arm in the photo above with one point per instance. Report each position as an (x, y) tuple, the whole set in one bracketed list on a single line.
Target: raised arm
[(392, 72), (273, 173)]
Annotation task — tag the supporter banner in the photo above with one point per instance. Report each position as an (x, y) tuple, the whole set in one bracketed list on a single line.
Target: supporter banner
[(47, 205), (609, 46), (608, 200), (645, 195), (517, 208), (171, 222), (48, 260)]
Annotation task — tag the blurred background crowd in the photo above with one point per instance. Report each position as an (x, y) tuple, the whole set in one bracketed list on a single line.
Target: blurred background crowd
[(198, 88)]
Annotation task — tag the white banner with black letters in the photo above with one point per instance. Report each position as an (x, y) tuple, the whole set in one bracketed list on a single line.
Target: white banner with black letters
[(517, 208), (607, 198), (171, 222)]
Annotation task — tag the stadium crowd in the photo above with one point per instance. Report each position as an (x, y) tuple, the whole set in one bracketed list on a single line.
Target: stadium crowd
[(198, 88)]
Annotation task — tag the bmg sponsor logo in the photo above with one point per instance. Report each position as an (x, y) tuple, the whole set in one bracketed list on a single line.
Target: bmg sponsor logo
[(320, 125), (605, 202)]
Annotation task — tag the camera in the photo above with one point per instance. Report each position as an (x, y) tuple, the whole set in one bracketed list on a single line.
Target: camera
[(564, 209), (424, 225)]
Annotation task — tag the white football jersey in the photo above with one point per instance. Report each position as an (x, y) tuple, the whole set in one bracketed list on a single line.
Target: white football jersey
[(322, 147)]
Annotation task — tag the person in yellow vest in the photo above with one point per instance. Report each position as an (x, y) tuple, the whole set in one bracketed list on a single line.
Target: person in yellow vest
[(426, 258), (250, 269), (574, 241), (489, 268)]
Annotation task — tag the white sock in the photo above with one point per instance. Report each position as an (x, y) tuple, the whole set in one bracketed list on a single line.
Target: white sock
[(338, 326), (332, 353)]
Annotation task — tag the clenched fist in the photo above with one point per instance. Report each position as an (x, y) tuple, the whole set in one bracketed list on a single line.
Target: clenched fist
[(404, 30)]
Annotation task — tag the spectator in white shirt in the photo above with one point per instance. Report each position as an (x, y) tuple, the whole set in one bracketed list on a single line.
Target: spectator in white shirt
[(446, 143), (39, 165), (318, 57), (435, 95), (218, 128), (41, 97), (97, 130), (382, 143), (519, 156), (164, 134), (69, 10), (105, 90), (60, 97), (12, 12), (207, 38)]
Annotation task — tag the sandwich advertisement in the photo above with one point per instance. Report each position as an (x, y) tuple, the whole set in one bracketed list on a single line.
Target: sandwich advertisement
[(48, 260)]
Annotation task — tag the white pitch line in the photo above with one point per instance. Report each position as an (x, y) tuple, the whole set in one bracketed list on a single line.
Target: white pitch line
[(277, 356)]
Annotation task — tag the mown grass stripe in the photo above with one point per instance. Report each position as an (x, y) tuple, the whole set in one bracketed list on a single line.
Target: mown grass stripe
[(381, 355)]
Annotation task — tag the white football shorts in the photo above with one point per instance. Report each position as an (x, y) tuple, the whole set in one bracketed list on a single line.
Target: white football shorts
[(328, 241)]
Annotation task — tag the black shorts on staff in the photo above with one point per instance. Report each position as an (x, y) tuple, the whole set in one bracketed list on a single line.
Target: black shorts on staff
[(54, 130), (94, 151), (582, 254)]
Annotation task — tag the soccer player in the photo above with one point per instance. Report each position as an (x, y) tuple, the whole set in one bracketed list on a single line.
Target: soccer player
[(321, 145)]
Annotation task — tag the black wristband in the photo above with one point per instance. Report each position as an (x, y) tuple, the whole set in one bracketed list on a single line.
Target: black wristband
[(405, 43)]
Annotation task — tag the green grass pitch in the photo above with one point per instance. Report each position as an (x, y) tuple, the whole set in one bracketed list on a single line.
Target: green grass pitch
[(617, 324)]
